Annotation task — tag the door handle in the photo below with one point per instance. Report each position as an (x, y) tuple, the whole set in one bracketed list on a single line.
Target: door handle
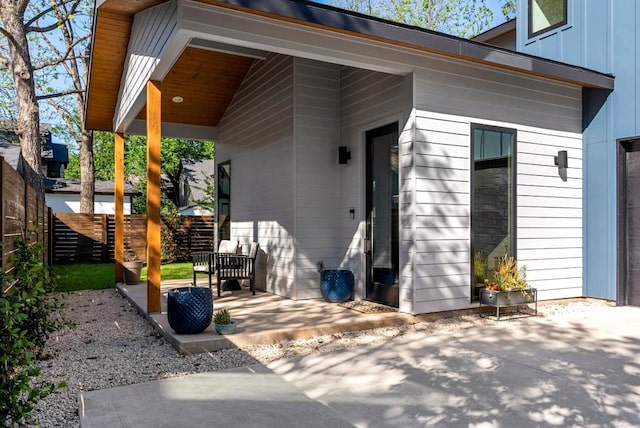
[(367, 246)]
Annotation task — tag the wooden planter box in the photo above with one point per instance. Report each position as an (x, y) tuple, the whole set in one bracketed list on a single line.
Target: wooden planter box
[(502, 299)]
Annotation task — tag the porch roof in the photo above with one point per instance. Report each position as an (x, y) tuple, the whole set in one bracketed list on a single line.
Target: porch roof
[(210, 77)]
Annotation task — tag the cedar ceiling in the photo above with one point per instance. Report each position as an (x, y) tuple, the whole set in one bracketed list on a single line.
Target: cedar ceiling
[(206, 80)]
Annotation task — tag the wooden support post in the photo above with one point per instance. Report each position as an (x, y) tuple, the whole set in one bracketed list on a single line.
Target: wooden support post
[(154, 255), (119, 198)]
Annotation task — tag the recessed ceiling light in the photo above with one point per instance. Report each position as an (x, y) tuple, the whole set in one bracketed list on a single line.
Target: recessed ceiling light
[(177, 99)]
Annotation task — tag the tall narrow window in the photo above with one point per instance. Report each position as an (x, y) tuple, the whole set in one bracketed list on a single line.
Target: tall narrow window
[(545, 15), (493, 195), (224, 200)]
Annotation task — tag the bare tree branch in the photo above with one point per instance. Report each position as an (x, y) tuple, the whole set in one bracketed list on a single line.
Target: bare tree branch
[(58, 94), (32, 29)]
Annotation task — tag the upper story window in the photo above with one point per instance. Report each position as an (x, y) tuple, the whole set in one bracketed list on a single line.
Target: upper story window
[(545, 15)]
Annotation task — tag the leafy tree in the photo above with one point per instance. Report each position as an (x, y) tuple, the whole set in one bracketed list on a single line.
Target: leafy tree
[(461, 18), (172, 151), (509, 9), (44, 55)]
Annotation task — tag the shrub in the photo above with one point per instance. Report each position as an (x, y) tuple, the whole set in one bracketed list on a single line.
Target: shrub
[(29, 317)]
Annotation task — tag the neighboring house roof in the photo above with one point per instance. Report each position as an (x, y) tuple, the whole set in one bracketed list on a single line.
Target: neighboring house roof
[(113, 29), (72, 185), (506, 28), (194, 174), (10, 152)]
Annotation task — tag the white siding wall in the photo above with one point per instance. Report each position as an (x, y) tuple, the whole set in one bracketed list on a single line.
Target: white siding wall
[(151, 33), (547, 117), (367, 100), (256, 133), (316, 171)]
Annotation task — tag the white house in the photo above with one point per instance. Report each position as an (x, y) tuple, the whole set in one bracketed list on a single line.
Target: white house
[(63, 196), (389, 150)]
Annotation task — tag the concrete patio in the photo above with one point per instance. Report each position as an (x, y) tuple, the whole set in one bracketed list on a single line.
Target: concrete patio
[(263, 318), (571, 370)]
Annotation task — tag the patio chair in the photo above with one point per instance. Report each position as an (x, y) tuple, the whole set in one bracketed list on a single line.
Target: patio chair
[(237, 266), (203, 262)]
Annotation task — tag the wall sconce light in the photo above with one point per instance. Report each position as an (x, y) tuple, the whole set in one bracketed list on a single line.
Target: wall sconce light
[(561, 160), (343, 155)]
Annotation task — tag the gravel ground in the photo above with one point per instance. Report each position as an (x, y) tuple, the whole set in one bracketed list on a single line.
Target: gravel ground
[(112, 345)]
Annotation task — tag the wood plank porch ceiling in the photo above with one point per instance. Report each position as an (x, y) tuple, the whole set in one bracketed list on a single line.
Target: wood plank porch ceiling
[(206, 80)]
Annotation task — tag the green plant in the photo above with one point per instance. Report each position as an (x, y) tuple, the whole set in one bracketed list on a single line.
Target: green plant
[(89, 276), (508, 276), (479, 268), (29, 315), (222, 317)]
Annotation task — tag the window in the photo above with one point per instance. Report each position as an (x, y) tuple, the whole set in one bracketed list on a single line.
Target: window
[(493, 195), (224, 200), (545, 15)]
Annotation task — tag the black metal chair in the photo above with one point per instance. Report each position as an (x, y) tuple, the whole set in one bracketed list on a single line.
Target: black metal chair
[(204, 263), (237, 267)]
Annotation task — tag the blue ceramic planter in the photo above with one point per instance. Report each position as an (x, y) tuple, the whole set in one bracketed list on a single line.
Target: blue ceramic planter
[(336, 285), (189, 309)]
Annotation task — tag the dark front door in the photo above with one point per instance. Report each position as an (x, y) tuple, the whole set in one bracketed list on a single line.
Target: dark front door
[(382, 240), (629, 227)]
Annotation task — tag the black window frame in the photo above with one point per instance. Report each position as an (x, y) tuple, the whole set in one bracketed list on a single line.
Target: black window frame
[(514, 189), (549, 28)]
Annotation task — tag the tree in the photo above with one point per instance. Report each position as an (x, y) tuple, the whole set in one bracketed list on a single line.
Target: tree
[(44, 46), (457, 17), (509, 9), (173, 150)]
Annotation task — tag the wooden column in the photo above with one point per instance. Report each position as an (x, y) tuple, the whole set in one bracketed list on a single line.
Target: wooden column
[(154, 132), (119, 198)]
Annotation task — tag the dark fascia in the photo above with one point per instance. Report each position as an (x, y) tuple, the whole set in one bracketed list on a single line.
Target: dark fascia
[(348, 21)]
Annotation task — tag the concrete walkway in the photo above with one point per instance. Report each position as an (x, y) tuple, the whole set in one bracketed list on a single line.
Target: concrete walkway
[(580, 370)]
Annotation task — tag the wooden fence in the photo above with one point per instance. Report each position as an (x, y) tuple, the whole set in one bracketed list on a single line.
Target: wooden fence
[(21, 211), (89, 238)]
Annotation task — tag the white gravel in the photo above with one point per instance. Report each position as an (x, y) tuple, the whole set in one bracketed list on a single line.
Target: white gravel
[(112, 345)]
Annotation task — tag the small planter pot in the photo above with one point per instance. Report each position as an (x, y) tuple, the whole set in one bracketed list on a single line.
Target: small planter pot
[(132, 272), (336, 285), (227, 328), (189, 309)]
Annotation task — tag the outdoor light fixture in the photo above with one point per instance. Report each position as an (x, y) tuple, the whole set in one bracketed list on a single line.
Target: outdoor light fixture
[(561, 160), (177, 99), (343, 155)]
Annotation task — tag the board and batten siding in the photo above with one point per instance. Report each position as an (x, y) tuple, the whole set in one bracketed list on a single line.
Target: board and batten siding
[(368, 100), (316, 137), (436, 219), (151, 33), (256, 134)]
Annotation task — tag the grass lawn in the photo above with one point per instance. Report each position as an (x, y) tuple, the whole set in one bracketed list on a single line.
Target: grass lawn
[(96, 276), (177, 270), (90, 276)]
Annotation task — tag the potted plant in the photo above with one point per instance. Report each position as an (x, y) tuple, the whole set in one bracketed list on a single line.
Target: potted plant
[(132, 269), (479, 272), (223, 322), (508, 285)]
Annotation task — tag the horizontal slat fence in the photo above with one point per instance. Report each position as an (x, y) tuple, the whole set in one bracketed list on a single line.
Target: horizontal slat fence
[(21, 211), (89, 238)]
